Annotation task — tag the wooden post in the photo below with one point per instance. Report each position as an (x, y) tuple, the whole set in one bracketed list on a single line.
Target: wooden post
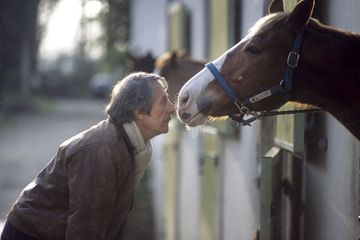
[(270, 195)]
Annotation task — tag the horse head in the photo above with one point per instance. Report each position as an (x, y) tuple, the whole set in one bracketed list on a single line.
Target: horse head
[(177, 67), (143, 63), (255, 64)]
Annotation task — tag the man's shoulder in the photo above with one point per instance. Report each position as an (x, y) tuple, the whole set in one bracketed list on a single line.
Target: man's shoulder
[(103, 133)]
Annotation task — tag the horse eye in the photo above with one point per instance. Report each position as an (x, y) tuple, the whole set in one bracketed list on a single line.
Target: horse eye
[(253, 50)]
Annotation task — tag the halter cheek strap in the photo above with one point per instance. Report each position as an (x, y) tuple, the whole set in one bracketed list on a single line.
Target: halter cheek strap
[(293, 60), (224, 85)]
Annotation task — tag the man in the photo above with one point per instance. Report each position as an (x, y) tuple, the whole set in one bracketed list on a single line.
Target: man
[(86, 190)]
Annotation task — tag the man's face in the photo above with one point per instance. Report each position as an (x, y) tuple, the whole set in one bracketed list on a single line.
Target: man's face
[(157, 122)]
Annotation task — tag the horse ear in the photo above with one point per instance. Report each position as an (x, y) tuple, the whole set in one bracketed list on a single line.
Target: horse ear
[(150, 56), (173, 58), (301, 14), (276, 6)]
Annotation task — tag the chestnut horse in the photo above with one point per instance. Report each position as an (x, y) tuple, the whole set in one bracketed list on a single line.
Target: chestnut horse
[(177, 68), (284, 57)]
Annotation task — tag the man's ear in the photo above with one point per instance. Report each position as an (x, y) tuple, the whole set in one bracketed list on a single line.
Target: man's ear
[(138, 115), (276, 6), (301, 14)]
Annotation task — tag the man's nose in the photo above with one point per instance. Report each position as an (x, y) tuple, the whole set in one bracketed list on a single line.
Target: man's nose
[(172, 108)]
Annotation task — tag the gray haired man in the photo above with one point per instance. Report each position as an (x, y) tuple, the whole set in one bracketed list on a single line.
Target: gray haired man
[(86, 190)]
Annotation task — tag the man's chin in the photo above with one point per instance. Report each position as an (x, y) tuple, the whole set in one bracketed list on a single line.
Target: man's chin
[(166, 129)]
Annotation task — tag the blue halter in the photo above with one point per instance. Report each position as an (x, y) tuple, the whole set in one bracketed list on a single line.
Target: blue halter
[(284, 86)]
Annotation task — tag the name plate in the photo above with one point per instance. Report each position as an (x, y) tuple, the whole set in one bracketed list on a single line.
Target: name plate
[(260, 96)]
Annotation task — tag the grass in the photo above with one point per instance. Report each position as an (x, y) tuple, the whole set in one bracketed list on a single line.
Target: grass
[(14, 106), (41, 104)]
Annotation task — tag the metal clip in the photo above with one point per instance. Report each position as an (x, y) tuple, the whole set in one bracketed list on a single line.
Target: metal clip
[(235, 123), (238, 106), (244, 110)]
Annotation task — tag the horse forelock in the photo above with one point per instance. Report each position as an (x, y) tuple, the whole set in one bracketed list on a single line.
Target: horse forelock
[(167, 58), (162, 60), (268, 22)]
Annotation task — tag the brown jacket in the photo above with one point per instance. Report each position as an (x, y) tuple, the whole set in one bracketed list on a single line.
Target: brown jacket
[(85, 191)]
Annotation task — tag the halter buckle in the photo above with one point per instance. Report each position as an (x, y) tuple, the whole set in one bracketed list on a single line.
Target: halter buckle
[(293, 59)]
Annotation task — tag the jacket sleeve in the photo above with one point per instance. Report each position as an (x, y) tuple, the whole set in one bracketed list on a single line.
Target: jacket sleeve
[(92, 192)]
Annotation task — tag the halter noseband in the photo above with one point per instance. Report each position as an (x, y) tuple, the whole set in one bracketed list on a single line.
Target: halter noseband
[(284, 86)]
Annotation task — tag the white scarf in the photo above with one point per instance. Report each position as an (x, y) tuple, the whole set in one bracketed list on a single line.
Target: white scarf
[(142, 152)]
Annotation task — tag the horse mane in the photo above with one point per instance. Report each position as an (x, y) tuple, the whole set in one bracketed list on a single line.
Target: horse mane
[(270, 21), (174, 57), (346, 35), (301, 106), (162, 60), (167, 57)]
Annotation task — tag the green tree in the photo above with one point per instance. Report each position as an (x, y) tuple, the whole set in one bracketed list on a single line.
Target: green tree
[(19, 42), (115, 21)]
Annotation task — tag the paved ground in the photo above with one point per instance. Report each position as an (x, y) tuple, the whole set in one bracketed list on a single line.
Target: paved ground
[(28, 141)]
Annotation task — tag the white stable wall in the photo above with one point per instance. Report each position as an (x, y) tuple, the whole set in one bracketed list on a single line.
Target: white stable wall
[(198, 30), (148, 32), (189, 187), (241, 195)]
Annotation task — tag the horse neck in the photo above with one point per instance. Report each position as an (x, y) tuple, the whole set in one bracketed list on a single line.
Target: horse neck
[(330, 73)]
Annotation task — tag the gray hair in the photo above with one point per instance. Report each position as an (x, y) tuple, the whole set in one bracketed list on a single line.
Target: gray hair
[(134, 92)]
